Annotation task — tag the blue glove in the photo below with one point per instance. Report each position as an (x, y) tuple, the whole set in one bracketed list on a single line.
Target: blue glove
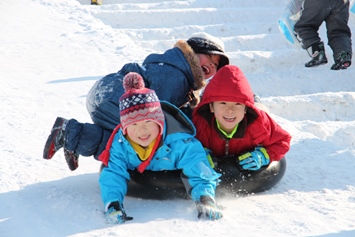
[(254, 160), (208, 208), (116, 214)]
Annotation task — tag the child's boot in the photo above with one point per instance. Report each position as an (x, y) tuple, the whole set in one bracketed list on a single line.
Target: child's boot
[(257, 99), (96, 2), (343, 61), (260, 105), (72, 159), (318, 55), (55, 141)]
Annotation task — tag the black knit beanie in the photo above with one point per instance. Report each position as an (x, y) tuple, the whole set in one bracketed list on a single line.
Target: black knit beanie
[(204, 43)]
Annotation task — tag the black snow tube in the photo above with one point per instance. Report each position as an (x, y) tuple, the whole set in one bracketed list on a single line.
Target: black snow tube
[(159, 185), (237, 181), (233, 180), (158, 179)]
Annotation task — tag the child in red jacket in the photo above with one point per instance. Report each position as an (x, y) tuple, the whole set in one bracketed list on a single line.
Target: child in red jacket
[(248, 145)]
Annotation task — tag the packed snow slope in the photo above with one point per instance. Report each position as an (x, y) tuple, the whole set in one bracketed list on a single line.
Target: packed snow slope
[(52, 52)]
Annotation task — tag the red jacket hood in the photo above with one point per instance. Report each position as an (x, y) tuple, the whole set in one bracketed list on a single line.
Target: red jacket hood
[(236, 89), (256, 129)]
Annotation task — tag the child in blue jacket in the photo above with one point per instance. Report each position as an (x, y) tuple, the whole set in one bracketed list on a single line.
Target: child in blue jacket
[(174, 75), (153, 136)]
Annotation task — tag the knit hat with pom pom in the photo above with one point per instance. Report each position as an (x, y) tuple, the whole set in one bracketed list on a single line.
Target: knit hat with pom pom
[(139, 103)]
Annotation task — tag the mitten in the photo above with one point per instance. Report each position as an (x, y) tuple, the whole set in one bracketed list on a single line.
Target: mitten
[(208, 208), (116, 214), (254, 160)]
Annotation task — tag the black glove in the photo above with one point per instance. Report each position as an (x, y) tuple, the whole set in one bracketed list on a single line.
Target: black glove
[(208, 208), (116, 214)]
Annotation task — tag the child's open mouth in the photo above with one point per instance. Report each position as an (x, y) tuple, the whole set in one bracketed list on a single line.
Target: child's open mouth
[(144, 138), (229, 119)]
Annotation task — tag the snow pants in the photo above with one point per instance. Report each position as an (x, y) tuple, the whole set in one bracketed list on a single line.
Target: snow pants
[(88, 139), (85, 139), (335, 13)]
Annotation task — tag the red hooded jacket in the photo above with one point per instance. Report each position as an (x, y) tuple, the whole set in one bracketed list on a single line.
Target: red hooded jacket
[(257, 127)]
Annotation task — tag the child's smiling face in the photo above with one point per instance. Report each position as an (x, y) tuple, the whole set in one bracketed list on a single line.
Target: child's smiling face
[(228, 114), (209, 64), (143, 132)]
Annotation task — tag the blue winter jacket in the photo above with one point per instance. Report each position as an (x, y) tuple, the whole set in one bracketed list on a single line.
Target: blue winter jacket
[(178, 150), (172, 75)]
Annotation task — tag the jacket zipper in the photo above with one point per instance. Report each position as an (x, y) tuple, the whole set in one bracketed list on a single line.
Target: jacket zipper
[(226, 148)]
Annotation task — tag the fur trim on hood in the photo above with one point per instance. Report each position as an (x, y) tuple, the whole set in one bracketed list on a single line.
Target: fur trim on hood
[(194, 62), (199, 76)]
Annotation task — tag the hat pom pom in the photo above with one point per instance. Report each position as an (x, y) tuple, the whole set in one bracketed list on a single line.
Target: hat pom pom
[(133, 81)]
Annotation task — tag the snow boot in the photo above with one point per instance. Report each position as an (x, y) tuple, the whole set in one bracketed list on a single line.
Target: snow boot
[(257, 99), (55, 141), (318, 55), (343, 61), (260, 105), (96, 2), (72, 159)]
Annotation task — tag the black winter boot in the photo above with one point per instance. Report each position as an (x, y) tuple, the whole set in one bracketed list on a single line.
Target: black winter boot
[(96, 2), (343, 61), (318, 55), (257, 99), (72, 159), (55, 140)]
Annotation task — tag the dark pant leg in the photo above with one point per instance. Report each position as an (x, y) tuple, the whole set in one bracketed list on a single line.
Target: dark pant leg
[(338, 31), (85, 139), (312, 17), (102, 101)]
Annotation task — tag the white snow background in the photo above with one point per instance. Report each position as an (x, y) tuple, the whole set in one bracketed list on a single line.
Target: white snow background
[(52, 52)]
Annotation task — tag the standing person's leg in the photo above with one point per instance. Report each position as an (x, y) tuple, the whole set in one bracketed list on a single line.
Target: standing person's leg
[(339, 34), (306, 28), (312, 16)]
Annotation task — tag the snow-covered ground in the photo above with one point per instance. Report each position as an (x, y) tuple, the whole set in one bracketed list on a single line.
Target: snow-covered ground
[(51, 53)]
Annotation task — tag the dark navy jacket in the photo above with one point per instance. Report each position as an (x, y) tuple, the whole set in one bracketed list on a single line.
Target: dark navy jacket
[(171, 75)]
